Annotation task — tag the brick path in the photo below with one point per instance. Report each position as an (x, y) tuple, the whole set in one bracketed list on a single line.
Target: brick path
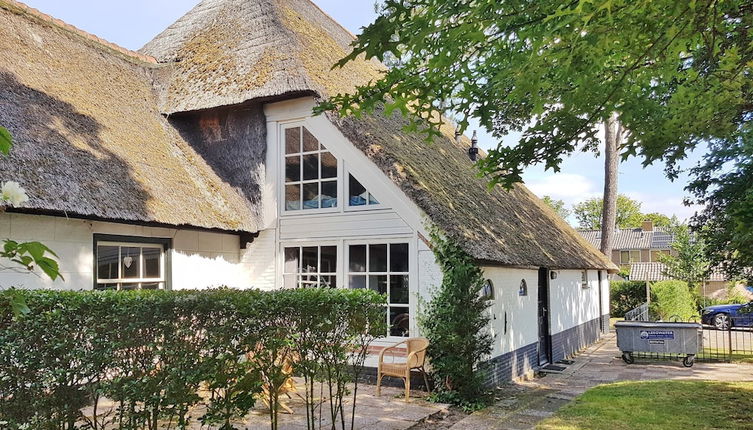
[(524, 404)]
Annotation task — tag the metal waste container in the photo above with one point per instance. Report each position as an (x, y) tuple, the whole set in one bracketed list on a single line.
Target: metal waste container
[(659, 337)]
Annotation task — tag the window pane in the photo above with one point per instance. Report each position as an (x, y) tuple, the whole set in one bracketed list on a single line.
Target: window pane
[(129, 286), (357, 193), (624, 256), (107, 262), (152, 262), (106, 287), (309, 141), (399, 289), (309, 281), (311, 196), (399, 257), (292, 197), (290, 281), (372, 200), (377, 258), (310, 259), (378, 283), (399, 321), (310, 167), (151, 286), (357, 282), (329, 259), (292, 256), (329, 165), (129, 256), (328, 281), (329, 194), (357, 258), (293, 168), (293, 140)]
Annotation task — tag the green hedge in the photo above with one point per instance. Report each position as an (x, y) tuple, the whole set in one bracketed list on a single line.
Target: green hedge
[(152, 351), (625, 296), (672, 300)]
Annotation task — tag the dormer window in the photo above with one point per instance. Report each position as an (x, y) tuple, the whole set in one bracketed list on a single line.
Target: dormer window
[(310, 172), (358, 195)]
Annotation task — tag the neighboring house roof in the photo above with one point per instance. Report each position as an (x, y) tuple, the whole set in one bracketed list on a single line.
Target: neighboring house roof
[(118, 158), (633, 238), (655, 272), (89, 138)]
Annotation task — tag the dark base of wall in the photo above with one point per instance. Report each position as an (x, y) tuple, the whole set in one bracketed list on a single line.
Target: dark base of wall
[(605, 323), (518, 363), (514, 364), (572, 340)]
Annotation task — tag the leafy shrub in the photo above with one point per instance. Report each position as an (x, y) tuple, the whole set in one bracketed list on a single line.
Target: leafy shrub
[(154, 352), (672, 300), (455, 323), (625, 296)]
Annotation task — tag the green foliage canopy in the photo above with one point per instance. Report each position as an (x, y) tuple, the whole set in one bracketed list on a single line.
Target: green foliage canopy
[(558, 206), (688, 262), (588, 213), (675, 73)]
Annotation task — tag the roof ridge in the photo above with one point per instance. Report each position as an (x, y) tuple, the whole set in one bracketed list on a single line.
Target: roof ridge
[(49, 19)]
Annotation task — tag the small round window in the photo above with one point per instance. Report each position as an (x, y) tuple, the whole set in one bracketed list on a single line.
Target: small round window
[(487, 291), (523, 291)]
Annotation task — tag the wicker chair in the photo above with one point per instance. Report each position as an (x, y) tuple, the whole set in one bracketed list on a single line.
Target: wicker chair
[(416, 347)]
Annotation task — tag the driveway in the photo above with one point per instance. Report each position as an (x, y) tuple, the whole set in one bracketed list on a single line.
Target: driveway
[(522, 405)]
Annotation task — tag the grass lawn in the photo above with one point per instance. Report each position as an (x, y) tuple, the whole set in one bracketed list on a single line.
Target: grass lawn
[(666, 405)]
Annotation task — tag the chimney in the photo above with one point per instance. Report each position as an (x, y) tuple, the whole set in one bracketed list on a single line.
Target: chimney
[(473, 150), (647, 226)]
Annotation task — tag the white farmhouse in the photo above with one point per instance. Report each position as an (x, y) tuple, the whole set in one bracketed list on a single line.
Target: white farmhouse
[(197, 162)]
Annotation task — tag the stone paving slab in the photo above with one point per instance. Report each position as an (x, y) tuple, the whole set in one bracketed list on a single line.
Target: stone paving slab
[(524, 404)]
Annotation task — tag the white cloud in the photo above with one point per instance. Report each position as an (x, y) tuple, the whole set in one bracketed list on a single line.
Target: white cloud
[(568, 187), (667, 205)]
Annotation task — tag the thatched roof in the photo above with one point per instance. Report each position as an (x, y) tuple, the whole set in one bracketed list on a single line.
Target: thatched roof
[(513, 228), (225, 52), (89, 137)]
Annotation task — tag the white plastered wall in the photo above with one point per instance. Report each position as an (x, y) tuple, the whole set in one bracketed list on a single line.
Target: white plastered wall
[(200, 259), (571, 304), (520, 311)]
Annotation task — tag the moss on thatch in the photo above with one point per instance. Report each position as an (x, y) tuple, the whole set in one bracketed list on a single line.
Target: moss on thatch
[(90, 139), (224, 52), (512, 228)]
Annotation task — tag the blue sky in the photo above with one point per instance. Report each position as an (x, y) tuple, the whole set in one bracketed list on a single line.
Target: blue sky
[(134, 22)]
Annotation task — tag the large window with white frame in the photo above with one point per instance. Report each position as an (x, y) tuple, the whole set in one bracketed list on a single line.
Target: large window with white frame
[(130, 263), (310, 266), (310, 172), (630, 256), (384, 267), (358, 195)]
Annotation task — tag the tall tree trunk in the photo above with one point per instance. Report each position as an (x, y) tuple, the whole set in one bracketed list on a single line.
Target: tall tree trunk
[(613, 138)]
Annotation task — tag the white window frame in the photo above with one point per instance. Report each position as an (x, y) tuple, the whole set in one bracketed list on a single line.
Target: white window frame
[(140, 280), (300, 245), (410, 277), (346, 200), (338, 180)]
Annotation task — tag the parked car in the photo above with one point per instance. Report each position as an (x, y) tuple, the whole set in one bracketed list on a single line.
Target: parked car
[(725, 316)]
